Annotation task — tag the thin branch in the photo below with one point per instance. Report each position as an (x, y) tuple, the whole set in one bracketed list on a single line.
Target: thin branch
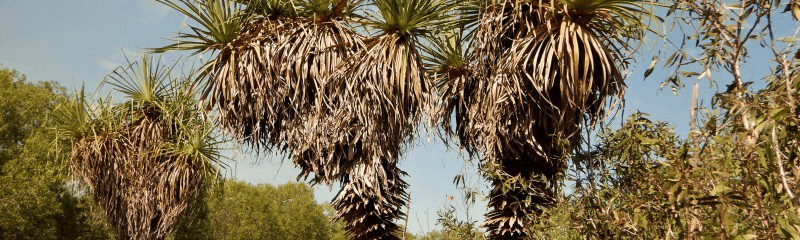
[(779, 159)]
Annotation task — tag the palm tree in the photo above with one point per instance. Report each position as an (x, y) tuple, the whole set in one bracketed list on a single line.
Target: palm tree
[(144, 160), (538, 72), (383, 92), (271, 60), (293, 75)]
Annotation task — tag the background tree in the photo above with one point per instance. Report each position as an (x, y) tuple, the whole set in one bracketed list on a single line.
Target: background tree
[(244, 211), (23, 110), (36, 199)]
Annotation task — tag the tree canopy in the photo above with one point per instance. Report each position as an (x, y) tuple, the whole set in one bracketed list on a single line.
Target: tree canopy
[(263, 211), (37, 200)]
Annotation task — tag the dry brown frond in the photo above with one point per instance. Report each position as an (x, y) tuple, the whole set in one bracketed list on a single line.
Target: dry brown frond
[(537, 76), (271, 74), (371, 198), (244, 86), (499, 26), (457, 89), (370, 110), (367, 110), (142, 188)]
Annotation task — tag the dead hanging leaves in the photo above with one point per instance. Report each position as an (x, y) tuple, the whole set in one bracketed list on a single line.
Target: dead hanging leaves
[(295, 80), (142, 189), (145, 160), (538, 73), (384, 102), (271, 76)]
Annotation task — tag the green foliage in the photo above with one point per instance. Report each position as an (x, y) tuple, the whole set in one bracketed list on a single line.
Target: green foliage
[(453, 228), (36, 202), (724, 180), (23, 107), (244, 211), (411, 18), (219, 20), (36, 199), (651, 184)]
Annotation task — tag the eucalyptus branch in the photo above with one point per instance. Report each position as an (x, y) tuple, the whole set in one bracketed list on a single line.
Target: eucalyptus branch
[(779, 160)]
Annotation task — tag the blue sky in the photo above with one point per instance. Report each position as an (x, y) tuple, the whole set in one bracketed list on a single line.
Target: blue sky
[(76, 42)]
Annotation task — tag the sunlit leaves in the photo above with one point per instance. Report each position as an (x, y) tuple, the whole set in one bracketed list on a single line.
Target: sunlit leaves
[(271, 8), (219, 22), (411, 18)]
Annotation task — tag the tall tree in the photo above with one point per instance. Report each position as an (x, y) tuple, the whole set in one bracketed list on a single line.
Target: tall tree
[(538, 71), (144, 160), (293, 75)]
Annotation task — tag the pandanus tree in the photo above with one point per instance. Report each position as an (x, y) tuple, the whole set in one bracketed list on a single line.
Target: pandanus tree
[(147, 159), (383, 92), (271, 59), (294, 76), (538, 72)]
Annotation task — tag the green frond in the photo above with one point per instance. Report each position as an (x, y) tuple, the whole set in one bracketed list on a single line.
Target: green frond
[(143, 81), (445, 51), (271, 8), (198, 141), (73, 118), (218, 24), (318, 7), (412, 18)]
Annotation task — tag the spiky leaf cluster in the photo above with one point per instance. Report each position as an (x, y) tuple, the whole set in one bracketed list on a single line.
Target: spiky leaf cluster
[(144, 160)]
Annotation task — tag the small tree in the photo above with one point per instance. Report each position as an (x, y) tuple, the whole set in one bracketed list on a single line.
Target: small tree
[(144, 160)]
